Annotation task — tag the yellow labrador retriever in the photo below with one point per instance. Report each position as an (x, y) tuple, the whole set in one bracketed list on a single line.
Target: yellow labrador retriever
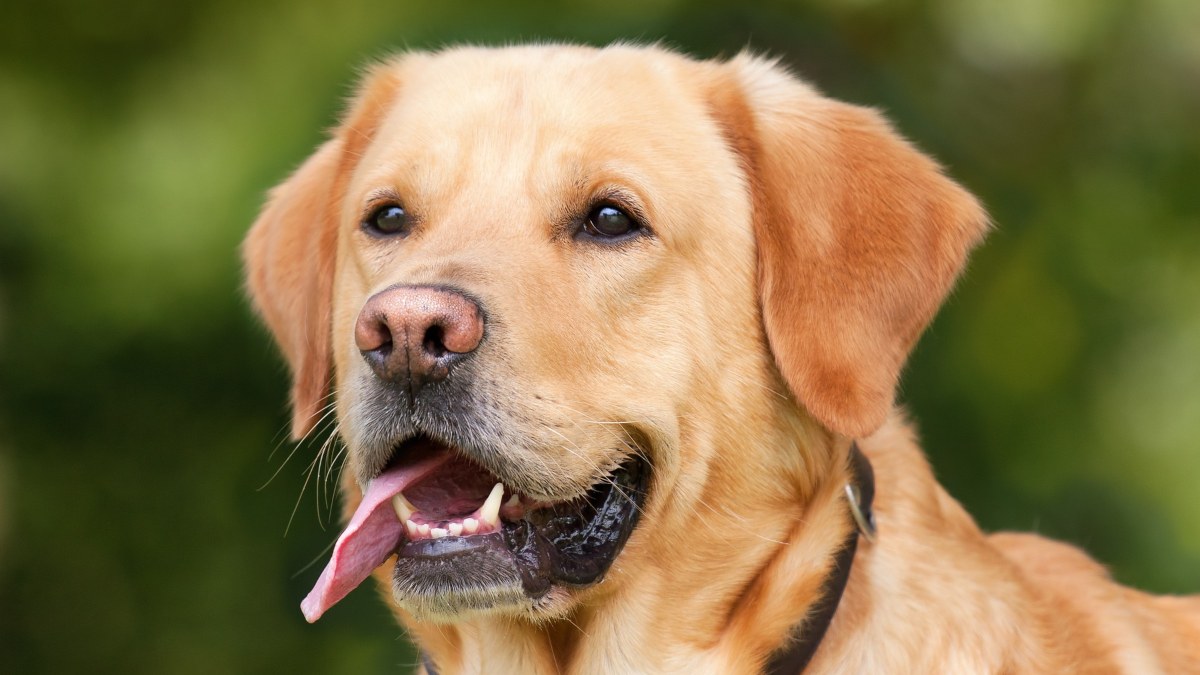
[(613, 336)]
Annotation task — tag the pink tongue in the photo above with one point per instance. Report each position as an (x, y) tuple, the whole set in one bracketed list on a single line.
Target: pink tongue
[(370, 538)]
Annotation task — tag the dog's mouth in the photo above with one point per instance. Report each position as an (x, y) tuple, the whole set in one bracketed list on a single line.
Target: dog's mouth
[(466, 542)]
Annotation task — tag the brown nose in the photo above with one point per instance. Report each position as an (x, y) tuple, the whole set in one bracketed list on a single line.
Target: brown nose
[(412, 335)]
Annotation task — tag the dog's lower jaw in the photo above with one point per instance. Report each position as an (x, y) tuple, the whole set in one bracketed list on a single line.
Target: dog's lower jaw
[(483, 604), (490, 588), (646, 619), (492, 591), (443, 607)]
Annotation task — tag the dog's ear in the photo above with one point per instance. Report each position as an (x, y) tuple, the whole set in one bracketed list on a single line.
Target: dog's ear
[(290, 250), (859, 235), (289, 256)]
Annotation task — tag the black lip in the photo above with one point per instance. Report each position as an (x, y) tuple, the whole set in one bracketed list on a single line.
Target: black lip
[(572, 544)]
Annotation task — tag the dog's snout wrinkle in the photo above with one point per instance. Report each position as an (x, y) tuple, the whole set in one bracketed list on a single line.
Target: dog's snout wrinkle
[(411, 335)]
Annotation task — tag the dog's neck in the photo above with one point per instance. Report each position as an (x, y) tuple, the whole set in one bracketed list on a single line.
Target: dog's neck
[(647, 616)]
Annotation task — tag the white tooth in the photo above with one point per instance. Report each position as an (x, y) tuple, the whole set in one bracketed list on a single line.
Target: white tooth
[(470, 526), (489, 513), (455, 528), (438, 533), (423, 529), (513, 500), (411, 527), (403, 507)]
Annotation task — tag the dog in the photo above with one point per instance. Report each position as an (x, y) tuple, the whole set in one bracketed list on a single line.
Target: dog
[(613, 337)]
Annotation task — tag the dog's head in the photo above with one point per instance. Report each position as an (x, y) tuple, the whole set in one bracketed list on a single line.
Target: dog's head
[(567, 295)]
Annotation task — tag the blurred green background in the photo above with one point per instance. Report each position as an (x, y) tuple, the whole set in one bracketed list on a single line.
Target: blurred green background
[(1059, 391)]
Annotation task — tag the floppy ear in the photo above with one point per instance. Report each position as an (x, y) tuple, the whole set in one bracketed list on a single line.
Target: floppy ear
[(290, 250), (859, 235), (289, 256)]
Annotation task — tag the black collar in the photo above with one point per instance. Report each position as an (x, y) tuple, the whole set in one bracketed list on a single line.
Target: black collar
[(793, 657)]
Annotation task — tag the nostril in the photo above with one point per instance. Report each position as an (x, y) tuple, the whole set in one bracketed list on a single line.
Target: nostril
[(373, 334), (378, 353), (434, 341), (384, 349)]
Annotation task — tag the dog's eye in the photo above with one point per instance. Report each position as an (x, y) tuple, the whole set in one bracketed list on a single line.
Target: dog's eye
[(608, 221), (387, 220)]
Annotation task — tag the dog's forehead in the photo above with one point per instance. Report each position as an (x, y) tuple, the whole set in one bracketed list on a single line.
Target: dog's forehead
[(540, 87), (540, 119)]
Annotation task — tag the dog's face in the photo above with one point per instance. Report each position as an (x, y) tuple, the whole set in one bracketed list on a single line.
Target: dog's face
[(581, 234), (609, 281)]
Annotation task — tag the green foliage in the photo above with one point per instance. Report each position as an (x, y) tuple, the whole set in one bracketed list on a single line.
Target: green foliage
[(1058, 391)]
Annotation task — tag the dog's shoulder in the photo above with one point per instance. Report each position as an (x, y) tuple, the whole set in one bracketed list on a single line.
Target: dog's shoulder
[(1027, 588)]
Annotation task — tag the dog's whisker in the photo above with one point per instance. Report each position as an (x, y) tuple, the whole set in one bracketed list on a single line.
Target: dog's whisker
[(279, 469), (549, 641), (626, 497), (320, 484), (573, 448), (342, 466), (282, 465), (281, 436), (307, 478), (278, 440), (296, 447), (318, 459), (338, 459), (324, 414), (323, 455), (577, 627), (315, 467), (315, 560)]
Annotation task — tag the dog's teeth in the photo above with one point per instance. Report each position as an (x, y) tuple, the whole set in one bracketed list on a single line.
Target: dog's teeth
[(470, 526), (455, 528), (438, 533), (423, 529), (512, 501), (411, 527), (404, 509), (489, 513)]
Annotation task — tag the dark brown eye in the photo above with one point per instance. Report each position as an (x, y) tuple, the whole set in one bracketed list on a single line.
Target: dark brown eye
[(387, 220), (608, 222)]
